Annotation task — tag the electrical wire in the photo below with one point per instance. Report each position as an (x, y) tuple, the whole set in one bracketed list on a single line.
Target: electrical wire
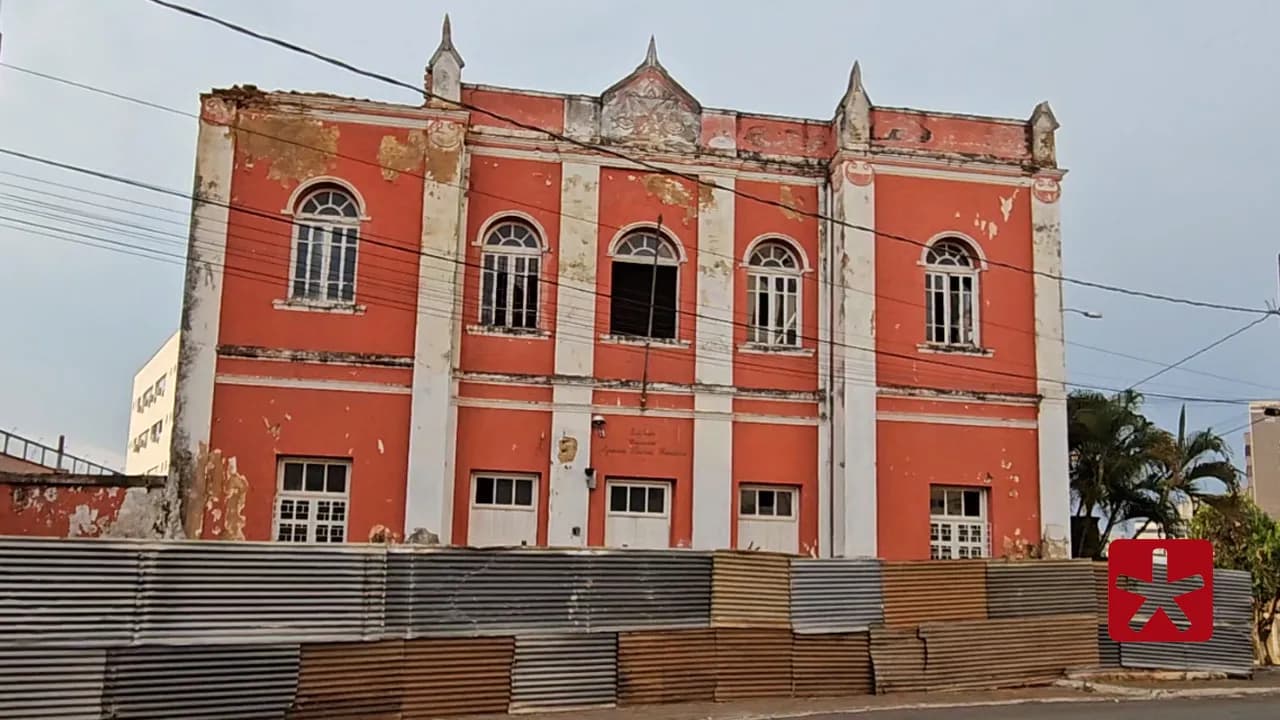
[(183, 113), (653, 167), (1248, 326)]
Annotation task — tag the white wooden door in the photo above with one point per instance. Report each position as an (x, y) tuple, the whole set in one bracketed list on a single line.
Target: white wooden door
[(767, 518), (504, 510), (638, 514)]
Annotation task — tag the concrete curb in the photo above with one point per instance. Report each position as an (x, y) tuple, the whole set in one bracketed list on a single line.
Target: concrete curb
[(1121, 691)]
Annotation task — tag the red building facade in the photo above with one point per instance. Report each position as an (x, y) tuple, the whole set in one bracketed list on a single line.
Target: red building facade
[(514, 317)]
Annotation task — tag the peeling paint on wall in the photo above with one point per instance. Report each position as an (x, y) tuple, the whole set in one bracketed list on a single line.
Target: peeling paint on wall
[(672, 192), (296, 148), (397, 157), (219, 485), (792, 204), (444, 145), (568, 449)]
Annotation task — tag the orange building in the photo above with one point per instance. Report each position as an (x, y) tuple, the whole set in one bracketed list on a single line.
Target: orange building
[(518, 317)]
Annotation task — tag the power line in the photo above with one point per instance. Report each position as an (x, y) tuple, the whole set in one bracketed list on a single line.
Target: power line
[(594, 147), (1203, 350), (176, 111)]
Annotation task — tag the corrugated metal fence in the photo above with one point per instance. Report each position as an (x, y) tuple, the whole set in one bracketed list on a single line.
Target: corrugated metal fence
[(107, 629)]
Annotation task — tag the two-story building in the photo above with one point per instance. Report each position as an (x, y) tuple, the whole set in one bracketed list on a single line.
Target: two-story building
[(517, 317)]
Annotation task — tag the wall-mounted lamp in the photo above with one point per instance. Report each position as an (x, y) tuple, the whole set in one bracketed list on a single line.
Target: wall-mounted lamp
[(1086, 313), (597, 424)]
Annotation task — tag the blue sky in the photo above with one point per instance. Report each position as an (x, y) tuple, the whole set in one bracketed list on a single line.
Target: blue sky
[(1167, 130)]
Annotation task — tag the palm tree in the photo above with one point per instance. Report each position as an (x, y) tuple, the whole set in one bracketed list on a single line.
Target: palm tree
[(1114, 461), (1188, 464)]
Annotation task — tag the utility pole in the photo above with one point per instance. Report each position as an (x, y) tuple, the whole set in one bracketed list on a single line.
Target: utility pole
[(648, 337)]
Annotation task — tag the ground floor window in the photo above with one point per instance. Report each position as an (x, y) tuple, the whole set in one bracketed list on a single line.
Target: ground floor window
[(311, 500), (497, 491), (762, 502), (767, 518), (958, 523), (638, 514)]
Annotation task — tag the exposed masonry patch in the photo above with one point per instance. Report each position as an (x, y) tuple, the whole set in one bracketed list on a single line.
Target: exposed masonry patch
[(670, 191), (296, 148), (397, 157), (444, 146), (793, 205)]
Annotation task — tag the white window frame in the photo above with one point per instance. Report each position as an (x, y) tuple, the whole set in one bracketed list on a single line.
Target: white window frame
[(312, 498), (938, 279), (777, 490), (325, 225), (648, 485), (938, 547), (514, 255), (775, 269), (623, 250), (515, 479)]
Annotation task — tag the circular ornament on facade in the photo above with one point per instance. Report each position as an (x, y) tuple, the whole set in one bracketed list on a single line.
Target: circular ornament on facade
[(1046, 189), (859, 173), (217, 111), (444, 135)]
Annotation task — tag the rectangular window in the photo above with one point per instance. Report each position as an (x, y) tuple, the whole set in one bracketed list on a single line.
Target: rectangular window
[(634, 284), (503, 491), (324, 265), (766, 502), (311, 502), (157, 431), (637, 499), (949, 309), (509, 291), (958, 523), (774, 302)]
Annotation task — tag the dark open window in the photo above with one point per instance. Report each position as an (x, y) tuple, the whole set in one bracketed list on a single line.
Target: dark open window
[(645, 275)]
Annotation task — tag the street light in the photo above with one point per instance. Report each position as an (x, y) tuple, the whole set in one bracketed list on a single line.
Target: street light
[(1086, 313)]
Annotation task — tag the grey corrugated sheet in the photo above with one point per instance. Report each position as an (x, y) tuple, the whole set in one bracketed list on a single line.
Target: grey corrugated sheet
[(1232, 597), (223, 681), (1108, 649), (560, 672), (67, 592), (1040, 587), (204, 592), (835, 595), (1230, 651), (51, 683), (641, 589)]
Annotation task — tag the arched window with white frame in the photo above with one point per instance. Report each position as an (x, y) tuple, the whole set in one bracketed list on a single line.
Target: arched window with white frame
[(645, 277), (326, 234), (512, 259), (951, 293), (773, 295)]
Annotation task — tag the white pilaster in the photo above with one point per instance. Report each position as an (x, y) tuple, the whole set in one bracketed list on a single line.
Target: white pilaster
[(1051, 369), (713, 505), (201, 313), (854, 420), (567, 505), (825, 530), (434, 416)]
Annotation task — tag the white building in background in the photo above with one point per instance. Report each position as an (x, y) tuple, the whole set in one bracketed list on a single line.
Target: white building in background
[(151, 412)]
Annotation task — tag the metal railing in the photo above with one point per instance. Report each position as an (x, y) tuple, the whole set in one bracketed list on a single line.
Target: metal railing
[(54, 458)]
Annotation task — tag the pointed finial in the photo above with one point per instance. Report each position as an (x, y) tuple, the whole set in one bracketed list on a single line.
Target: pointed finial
[(444, 69), (1043, 116), (446, 32), (651, 55), (855, 77), (1043, 124)]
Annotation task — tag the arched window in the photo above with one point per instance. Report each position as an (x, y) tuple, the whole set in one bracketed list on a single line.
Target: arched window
[(773, 295), (951, 293), (645, 277), (326, 230), (509, 281)]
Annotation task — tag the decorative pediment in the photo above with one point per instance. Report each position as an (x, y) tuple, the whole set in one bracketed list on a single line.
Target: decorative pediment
[(649, 109)]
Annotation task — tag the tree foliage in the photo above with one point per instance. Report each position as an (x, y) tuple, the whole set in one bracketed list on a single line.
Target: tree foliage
[(1126, 468)]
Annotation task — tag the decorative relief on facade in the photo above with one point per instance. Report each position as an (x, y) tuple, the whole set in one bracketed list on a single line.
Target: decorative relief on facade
[(650, 113), (859, 172), (1046, 189)]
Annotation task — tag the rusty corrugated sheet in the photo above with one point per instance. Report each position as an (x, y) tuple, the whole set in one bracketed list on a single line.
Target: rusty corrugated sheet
[(752, 663), (930, 591), (977, 654), (244, 682), (215, 593), (561, 672), (1040, 587), (456, 676), (350, 680), (61, 683), (1108, 649), (835, 595), (68, 591), (831, 665), (1100, 590), (666, 666), (750, 590)]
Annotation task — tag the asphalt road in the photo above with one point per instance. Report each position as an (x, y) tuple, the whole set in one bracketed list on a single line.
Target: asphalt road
[(1254, 708)]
